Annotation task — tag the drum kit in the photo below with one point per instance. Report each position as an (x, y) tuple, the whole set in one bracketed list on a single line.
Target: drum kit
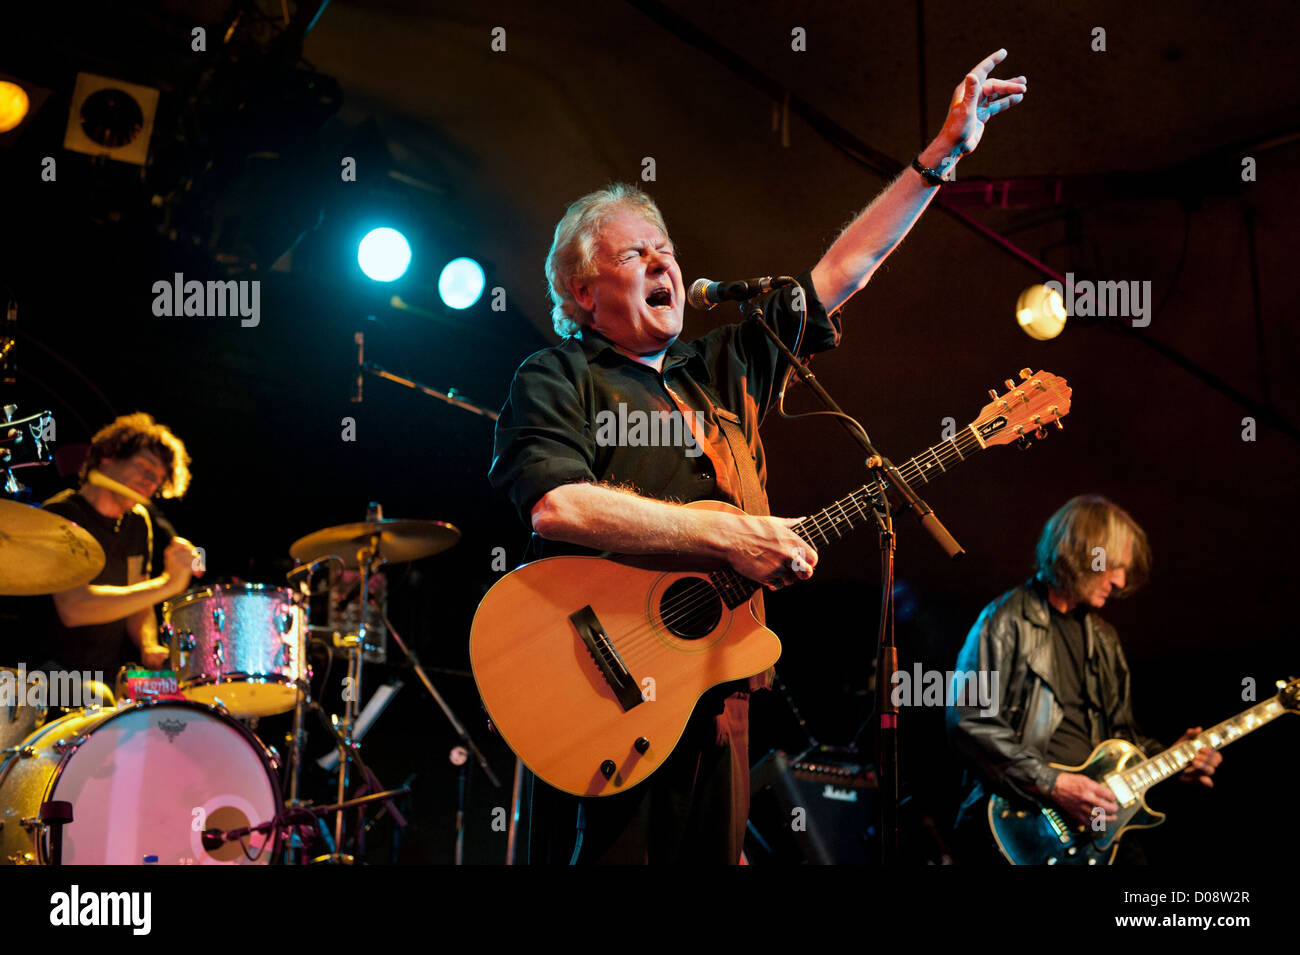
[(183, 778)]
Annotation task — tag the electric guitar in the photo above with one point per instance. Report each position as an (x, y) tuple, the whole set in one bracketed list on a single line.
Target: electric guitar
[(589, 667), (1034, 835)]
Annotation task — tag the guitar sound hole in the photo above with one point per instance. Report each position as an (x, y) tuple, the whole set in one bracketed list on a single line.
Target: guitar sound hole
[(690, 608)]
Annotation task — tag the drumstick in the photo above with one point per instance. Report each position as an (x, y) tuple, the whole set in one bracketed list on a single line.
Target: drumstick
[(99, 479)]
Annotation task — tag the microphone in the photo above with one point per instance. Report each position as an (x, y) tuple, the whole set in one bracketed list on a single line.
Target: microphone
[(360, 339), (704, 294), (212, 839)]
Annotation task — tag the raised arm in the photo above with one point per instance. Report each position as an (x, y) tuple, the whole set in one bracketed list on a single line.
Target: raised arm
[(852, 259)]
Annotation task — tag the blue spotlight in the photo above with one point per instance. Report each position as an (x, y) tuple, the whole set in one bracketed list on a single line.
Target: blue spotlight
[(461, 283), (384, 254)]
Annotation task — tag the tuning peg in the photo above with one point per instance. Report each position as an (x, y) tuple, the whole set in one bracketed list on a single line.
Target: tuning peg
[(1010, 384), (1023, 443), (993, 394), (1059, 426), (1025, 374)]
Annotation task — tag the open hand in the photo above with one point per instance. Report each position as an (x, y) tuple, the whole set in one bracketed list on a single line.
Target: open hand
[(975, 100)]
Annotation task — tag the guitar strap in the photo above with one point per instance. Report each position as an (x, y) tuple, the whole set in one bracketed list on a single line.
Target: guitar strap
[(754, 502), (754, 499)]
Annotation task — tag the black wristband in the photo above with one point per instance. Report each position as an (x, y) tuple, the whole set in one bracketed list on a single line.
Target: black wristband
[(928, 174)]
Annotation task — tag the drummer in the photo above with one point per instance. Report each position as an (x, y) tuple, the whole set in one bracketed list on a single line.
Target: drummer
[(103, 625)]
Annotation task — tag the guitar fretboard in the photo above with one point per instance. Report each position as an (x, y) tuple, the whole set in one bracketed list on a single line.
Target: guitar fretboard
[(854, 510), (1142, 776)]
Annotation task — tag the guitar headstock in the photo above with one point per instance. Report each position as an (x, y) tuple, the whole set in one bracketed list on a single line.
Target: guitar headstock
[(1024, 409), (1288, 695)]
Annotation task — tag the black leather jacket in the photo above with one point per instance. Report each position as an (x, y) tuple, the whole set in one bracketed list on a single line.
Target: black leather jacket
[(1004, 749)]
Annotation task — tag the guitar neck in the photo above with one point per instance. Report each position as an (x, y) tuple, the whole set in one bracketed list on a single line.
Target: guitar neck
[(1142, 776), (854, 510)]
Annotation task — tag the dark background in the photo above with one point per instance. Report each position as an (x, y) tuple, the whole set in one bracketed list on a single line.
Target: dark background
[(475, 152)]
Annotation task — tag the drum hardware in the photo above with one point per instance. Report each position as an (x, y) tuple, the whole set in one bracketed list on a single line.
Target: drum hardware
[(458, 759), (295, 816), (364, 547), (55, 814), (349, 751), (26, 442), (374, 708)]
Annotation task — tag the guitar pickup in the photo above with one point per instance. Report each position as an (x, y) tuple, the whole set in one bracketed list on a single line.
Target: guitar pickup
[(626, 690)]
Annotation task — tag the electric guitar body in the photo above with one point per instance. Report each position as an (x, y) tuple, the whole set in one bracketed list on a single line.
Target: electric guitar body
[(1028, 834)]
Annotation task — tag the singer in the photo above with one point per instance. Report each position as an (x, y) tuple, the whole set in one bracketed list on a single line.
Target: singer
[(618, 298), (110, 621)]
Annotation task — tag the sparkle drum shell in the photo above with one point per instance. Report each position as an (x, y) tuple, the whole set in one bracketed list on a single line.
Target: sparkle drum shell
[(17, 719), (144, 780), (239, 645)]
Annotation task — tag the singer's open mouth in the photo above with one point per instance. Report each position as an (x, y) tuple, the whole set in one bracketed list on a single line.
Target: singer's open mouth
[(660, 298)]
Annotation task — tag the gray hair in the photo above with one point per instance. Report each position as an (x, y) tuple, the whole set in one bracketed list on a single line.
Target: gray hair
[(573, 250)]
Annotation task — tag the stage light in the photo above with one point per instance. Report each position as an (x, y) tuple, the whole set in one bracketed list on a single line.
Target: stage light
[(384, 254), (1040, 312), (13, 105), (461, 283), (112, 118)]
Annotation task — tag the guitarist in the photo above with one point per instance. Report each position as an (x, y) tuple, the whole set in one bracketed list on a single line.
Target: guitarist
[(618, 298), (1063, 679)]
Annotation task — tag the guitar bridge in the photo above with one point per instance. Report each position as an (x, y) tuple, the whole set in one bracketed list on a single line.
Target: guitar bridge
[(1059, 826), (626, 690)]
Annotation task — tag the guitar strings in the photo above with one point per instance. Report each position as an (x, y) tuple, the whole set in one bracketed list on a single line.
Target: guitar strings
[(675, 611)]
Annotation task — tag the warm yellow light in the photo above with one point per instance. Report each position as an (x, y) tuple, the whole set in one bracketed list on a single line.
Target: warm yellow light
[(13, 105), (1040, 312)]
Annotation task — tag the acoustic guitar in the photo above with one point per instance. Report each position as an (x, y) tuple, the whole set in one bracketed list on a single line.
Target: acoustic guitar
[(590, 666)]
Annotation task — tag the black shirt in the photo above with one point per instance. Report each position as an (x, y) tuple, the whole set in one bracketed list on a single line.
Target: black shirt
[(103, 646), (1072, 741), (570, 414)]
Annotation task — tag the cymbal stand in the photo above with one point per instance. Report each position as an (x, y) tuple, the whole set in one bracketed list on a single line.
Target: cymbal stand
[(293, 845), (367, 561)]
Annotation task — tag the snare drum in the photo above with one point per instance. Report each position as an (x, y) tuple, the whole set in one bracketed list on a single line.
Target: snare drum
[(144, 780), (239, 645)]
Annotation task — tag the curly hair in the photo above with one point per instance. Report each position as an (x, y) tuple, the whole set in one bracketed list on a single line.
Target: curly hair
[(573, 250), (128, 435), (1086, 529)]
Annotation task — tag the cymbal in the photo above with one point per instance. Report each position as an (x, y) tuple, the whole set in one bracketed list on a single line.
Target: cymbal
[(42, 553), (399, 541)]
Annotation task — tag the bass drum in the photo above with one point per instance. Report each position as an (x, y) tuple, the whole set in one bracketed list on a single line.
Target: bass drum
[(144, 780)]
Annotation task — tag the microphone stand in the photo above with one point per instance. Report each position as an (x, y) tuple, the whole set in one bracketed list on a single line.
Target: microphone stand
[(890, 483), (459, 754)]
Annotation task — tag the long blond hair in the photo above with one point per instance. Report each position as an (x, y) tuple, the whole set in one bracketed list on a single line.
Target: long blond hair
[(1087, 530)]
